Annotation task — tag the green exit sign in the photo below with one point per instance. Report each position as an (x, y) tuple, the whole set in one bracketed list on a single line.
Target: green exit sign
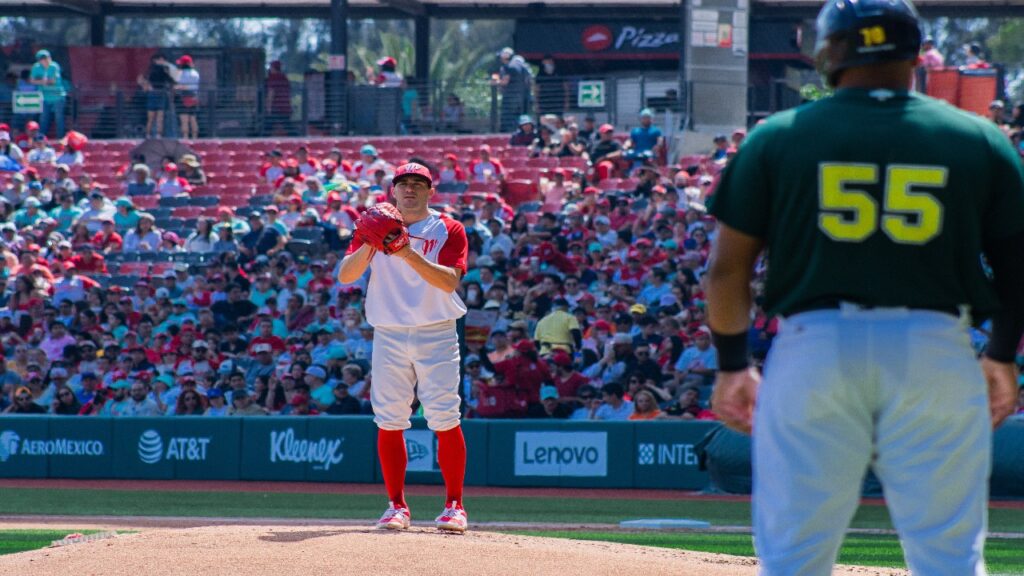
[(28, 102), (591, 94)]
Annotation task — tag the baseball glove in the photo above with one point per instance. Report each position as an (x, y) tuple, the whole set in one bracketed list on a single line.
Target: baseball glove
[(383, 228)]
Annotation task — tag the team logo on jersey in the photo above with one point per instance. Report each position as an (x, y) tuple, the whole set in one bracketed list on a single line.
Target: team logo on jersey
[(429, 245)]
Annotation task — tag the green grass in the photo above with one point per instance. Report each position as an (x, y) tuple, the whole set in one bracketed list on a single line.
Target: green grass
[(13, 541), (1003, 556), (83, 502)]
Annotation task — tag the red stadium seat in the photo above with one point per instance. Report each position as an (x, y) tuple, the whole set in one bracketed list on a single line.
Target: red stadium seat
[(161, 268), (152, 201), (519, 191), (134, 268)]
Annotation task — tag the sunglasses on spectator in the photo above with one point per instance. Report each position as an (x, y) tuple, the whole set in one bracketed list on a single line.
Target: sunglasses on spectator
[(24, 398), (64, 394), (473, 365)]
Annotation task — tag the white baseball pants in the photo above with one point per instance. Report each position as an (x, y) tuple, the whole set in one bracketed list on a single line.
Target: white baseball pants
[(899, 390), (409, 362)]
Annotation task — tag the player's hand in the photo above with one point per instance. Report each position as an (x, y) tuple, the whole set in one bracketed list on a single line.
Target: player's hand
[(404, 252), (734, 396), (1002, 388)]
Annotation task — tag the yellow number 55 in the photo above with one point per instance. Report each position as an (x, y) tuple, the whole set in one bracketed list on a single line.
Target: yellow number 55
[(848, 214)]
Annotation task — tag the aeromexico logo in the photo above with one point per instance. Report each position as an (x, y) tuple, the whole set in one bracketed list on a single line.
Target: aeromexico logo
[(285, 447), (11, 444)]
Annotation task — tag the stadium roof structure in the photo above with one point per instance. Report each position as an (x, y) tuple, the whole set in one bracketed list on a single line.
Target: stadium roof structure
[(453, 8)]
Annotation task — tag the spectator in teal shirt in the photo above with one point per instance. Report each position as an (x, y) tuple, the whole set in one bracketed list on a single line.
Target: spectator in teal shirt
[(29, 214), (46, 75), (66, 213)]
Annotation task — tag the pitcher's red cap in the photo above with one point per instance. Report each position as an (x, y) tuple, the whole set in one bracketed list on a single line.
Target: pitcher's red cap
[(413, 169)]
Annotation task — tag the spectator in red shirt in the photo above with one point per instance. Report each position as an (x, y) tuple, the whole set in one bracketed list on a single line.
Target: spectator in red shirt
[(566, 379), (451, 172), (279, 99), (172, 184), (307, 166), (266, 336), (107, 240), (525, 371), (320, 282), (87, 261), (337, 157), (273, 167), (485, 168)]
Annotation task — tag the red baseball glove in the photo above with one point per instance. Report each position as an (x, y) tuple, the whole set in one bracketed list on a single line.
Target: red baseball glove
[(383, 228)]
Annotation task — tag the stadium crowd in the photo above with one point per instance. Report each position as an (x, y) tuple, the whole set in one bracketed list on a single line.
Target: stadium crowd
[(585, 299)]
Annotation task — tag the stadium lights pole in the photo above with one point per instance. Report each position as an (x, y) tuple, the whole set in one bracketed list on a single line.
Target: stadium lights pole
[(684, 103), (337, 69), (97, 29)]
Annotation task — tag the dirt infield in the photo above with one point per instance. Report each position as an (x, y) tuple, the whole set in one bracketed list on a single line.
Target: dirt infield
[(276, 550)]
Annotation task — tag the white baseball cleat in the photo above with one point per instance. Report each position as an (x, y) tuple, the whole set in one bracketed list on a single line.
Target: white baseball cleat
[(394, 518), (453, 519)]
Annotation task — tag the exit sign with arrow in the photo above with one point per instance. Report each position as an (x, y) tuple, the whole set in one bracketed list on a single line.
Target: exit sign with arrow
[(27, 102), (591, 94)]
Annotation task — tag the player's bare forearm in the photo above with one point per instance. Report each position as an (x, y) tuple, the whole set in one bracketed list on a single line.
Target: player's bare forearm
[(728, 280), (438, 276), (355, 264)]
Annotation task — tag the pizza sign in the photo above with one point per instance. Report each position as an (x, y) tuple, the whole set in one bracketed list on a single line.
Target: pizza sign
[(599, 37), (639, 37), (596, 38)]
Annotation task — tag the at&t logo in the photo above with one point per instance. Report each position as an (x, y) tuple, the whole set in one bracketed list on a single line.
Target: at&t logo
[(186, 449)]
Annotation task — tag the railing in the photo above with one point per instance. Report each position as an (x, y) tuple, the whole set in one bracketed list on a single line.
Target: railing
[(310, 109)]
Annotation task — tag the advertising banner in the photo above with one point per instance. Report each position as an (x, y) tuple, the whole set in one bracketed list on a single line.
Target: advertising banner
[(92, 453), (421, 447), (639, 39), (206, 449), (583, 454), (341, 449), (665, 455), (278, 449), (144, 448), (25, 445)]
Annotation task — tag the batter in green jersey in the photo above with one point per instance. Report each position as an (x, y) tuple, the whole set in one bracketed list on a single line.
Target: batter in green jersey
[(878, 197), (876, 206)]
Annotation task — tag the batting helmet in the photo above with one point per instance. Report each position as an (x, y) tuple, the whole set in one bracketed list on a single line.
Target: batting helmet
[(858, 32)]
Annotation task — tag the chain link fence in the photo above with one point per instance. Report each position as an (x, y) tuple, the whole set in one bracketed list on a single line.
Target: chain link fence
[(316, 106)]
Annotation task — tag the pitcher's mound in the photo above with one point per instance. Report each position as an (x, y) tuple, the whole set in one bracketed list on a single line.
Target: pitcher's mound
[(317, 550)]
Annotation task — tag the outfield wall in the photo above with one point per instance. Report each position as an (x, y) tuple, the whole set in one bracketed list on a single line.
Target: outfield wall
[(343, 449), (674, 455)]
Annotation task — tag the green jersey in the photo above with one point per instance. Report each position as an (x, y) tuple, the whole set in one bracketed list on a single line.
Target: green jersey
[(879, 198)]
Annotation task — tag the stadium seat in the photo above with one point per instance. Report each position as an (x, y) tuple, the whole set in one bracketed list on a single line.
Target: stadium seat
[(137, 268), (204, 201), (312, 235), (188, 211), (454, 187), (175, 201), (146, 201), (519, 191), (123, 280)]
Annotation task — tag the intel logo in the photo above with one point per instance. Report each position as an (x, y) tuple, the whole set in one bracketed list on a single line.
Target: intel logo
[(151, 447)]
